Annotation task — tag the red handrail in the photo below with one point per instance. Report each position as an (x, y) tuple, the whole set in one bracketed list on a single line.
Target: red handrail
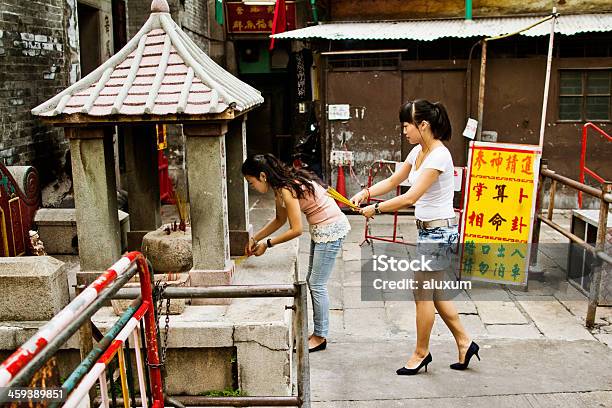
[(583, 168)]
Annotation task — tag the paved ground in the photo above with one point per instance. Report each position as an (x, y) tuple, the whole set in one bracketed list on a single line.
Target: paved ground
[(535, 349)]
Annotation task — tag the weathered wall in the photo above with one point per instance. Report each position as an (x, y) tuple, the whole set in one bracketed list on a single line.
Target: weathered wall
[(401, 9), (373, 132), (35, 64), (513, 101)]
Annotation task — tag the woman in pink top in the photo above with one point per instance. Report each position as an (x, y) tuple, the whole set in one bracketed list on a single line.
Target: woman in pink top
[(296, 191)]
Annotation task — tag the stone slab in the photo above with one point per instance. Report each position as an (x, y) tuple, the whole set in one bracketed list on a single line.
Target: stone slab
[(401, 316), (57, 229), (32, 288), (188, 366), (351, 251), (578, 304), (366, 323), (13, 334), (498, 312), (353, 299), (471, 323), (605, 338), (514, 331), (553, 319), (262, 371), (212, 278)]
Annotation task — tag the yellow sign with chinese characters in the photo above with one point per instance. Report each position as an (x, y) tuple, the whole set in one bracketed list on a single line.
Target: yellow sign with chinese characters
[(500, 197)]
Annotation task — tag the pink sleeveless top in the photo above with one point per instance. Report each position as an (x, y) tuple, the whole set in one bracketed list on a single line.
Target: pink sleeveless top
[(320, 209), (326, 221)]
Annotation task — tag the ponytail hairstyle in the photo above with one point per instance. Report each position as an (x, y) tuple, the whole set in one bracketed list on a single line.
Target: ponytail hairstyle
[(420, 110), (279, 175)]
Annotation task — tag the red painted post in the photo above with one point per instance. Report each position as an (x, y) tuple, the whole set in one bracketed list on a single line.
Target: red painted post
[(151, 336), (583, 168), (582, 160)]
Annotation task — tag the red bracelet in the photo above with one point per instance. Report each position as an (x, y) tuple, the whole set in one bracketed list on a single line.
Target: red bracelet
[(368, 191)]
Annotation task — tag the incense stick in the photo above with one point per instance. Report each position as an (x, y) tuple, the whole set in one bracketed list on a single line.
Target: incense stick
[(339, 197)]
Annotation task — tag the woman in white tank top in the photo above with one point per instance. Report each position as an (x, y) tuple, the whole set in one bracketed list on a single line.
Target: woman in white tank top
[(429, 169)]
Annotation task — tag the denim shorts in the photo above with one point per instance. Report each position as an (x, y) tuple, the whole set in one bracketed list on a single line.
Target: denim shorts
[(438, 244)]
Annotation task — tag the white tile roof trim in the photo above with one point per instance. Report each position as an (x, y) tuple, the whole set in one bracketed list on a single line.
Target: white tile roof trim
[(428, 30), (151, 76)]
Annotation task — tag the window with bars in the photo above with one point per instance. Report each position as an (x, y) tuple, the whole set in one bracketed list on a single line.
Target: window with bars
[(369, 61), (585, 95)]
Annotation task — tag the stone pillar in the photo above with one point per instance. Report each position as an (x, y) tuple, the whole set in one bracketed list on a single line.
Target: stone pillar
[(143, 182), (207, 182), (237, 188), (95, 196)]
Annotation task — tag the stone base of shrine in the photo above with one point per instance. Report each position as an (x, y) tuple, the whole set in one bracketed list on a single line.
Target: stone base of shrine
[(208, 277)]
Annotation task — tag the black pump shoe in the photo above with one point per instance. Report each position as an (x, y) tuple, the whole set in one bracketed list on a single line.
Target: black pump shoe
[(320, 347), (471, 351), (413, 371)]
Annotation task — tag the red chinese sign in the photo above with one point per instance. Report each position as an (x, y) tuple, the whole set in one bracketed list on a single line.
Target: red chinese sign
[(244, 19)]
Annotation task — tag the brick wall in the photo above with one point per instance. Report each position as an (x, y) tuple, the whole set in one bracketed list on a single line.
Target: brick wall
[(33, 67), (194, 21)]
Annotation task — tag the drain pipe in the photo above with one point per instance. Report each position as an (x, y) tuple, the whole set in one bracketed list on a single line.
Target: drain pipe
[(315, 14)]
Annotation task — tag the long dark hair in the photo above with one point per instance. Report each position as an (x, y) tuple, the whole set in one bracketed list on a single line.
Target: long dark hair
[(417, 111), (279, 175)]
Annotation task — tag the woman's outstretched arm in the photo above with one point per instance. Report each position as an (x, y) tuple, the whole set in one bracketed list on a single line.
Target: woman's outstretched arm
[(277, 222), (425, 180), (293, 213), (384, 186)]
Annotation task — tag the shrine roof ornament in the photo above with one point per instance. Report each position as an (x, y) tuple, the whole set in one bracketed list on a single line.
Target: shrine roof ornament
[(160, 71)]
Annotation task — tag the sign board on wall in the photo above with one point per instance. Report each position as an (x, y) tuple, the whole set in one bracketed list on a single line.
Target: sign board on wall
[(244, 19), (339, 112), (500, 196)]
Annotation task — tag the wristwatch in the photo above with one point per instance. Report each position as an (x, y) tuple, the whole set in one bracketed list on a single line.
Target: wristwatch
[(377, 209), (269, 243)]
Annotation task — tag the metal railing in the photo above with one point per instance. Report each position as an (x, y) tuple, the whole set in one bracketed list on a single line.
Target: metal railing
[(298, 292), (605, 198), (583, 168), (112, 351), (25, 362)]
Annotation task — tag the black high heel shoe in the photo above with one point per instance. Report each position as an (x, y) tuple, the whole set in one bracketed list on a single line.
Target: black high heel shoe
[(320, 347), (471, 351), (413, 371)]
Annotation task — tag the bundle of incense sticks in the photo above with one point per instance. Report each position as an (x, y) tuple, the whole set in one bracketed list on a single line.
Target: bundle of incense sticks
[(241, 259), (339, 197)]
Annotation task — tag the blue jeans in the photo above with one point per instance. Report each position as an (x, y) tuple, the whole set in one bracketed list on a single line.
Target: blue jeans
[(320, 267)]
